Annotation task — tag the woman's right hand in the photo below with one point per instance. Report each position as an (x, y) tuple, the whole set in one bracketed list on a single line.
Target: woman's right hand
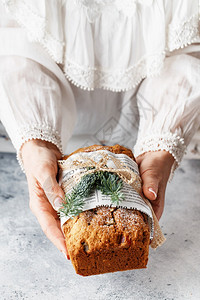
[(40, 164)]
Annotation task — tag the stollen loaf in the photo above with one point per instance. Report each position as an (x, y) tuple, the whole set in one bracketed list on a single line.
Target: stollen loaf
[(106, 238)]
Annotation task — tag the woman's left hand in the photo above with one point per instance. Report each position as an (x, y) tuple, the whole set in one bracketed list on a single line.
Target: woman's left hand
[(155, 168)]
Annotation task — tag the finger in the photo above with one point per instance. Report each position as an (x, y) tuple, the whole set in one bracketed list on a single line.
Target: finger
[(50, 225), (46, 180), (50, 188), (158, 204), (150, 184), (53, 191), (46, 215)]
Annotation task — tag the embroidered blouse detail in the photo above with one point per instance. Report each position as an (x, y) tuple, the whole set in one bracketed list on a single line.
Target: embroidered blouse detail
[(93, 23), (41, 131), (36, 25), (94, 8), (118, 80), (181, 34), (116, 45), (168, 141)]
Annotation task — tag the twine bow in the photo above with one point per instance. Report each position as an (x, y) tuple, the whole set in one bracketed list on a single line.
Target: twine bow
[(82, 163)]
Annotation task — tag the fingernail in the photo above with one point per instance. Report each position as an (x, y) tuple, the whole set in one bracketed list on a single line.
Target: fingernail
[(67, 257), (152, 191), (57, 203)]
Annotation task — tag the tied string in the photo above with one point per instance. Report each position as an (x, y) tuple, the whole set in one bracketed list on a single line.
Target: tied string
[(81, 166), (82, 163)]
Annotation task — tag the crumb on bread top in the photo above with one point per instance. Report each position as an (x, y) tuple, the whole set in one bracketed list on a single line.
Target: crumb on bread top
[(117, 149)]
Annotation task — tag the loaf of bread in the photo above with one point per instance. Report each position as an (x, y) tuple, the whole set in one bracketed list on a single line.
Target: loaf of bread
[(107, 239)]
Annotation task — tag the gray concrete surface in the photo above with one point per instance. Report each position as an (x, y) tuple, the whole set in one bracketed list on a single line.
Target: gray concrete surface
[(32, 268)]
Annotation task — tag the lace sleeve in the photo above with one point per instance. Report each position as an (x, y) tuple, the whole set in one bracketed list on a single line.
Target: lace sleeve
[(169, 107), (31, 102)]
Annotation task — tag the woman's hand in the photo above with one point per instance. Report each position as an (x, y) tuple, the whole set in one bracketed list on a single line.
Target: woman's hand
[(155, 168), (40, 164)]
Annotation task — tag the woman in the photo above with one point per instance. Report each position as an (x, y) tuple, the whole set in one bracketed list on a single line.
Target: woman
[(92, 69)]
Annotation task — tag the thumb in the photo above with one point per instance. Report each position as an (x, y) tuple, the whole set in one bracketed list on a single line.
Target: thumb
[(53, 191), (150, 185)]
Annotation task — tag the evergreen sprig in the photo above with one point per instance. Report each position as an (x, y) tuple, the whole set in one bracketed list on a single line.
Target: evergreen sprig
[(111, 184), (107, 182)]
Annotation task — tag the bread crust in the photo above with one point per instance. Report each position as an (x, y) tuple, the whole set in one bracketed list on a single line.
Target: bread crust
[(117, 149)]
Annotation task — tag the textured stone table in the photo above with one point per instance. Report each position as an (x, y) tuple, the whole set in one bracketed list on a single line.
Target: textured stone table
[(32, 268)]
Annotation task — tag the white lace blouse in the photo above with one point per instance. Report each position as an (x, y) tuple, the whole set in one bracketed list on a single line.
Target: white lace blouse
[(106, 71)]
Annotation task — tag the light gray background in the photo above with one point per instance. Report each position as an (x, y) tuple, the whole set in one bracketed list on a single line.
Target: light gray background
[(32, 268)]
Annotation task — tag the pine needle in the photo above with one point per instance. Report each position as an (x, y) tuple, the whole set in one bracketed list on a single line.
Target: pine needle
[(107, 182)]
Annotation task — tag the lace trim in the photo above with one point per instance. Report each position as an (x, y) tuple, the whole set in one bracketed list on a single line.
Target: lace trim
[(183, 34), (94, 8), (170, 142), (40, 131), (179, 35), (89, 78), (35, 26)]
